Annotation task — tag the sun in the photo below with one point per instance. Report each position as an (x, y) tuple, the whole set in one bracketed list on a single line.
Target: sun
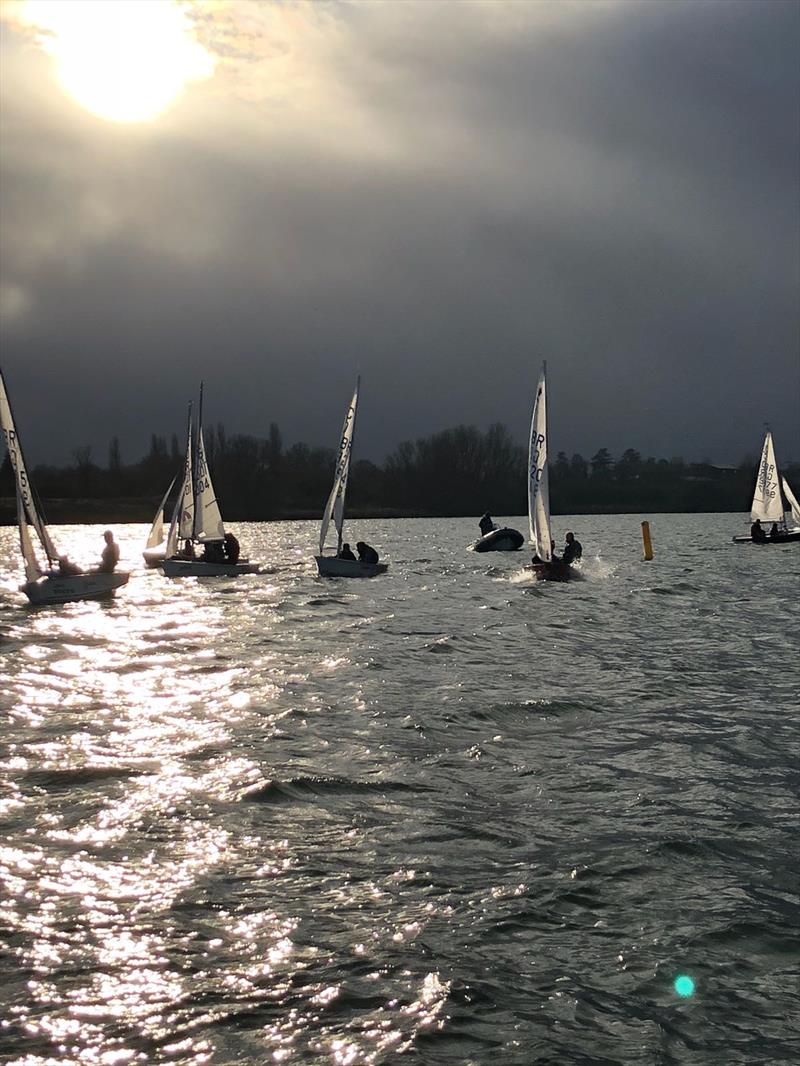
[(123, 60)]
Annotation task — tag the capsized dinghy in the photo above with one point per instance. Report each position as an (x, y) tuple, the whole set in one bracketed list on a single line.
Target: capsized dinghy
[(499, 540)]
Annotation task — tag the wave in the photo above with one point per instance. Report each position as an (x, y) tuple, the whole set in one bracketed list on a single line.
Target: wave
[(55, 779), (310, 787)]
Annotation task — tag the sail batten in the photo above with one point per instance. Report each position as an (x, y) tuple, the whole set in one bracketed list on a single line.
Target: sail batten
[(538, 487), (334, 508), (767, 503)]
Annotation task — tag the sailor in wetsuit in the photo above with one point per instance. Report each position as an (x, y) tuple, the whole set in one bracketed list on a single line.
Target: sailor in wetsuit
[(573, 550), (756, 532), (487, 525), (366, 553), (347, 553), (230, 546)]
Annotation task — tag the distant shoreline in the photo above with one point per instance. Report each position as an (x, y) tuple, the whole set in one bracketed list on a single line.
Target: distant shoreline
[(136, 510)]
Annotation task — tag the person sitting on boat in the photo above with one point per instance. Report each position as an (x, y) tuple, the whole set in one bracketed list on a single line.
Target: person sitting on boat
[(110, 556), (66, 568), (774, 533), (347, 553), (756, 532), (486, 525), (573, 550), (231, 548), (213, 552), (366, 553), (188, 551)]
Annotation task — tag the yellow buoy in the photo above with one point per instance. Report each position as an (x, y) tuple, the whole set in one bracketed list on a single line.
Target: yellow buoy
[(647, 544)]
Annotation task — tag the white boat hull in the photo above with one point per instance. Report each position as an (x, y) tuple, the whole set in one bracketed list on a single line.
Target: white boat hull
[(198, 568), (154, 557), (52, 588), (333, 566)]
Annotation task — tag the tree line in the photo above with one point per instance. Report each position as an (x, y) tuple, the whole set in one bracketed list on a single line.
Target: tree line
[(458, 471)]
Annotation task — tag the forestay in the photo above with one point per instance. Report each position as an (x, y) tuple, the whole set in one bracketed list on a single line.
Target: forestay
[(27, 512), (334, 508), (767, 502), (538, 492), (791, 499)]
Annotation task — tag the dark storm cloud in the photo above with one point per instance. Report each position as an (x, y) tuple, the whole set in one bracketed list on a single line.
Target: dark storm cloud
[(439, 195)]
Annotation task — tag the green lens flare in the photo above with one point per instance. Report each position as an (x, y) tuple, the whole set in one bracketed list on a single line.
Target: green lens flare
[(684, 985)]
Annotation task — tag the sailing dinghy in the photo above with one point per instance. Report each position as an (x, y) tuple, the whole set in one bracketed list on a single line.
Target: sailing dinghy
[(768, 504), (197, 521), (46, 585), (794, 506), (333, 565), (155, 551), (545, 566)]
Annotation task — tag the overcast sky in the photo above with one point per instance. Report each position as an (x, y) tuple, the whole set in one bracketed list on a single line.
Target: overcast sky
[(438, 195)]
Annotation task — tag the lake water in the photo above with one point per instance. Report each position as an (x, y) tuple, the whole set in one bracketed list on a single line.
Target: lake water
[(446, 812)]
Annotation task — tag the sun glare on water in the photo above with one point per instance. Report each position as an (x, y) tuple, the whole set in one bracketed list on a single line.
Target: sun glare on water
[(123, 60)]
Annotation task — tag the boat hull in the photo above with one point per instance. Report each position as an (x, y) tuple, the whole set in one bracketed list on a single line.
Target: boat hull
[(154, 557), (332, 566), (54, 589), (198, 568), (499, 540), (791, 536), (554, 571)]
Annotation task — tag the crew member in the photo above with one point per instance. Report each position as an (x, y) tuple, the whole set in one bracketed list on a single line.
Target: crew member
[(486, 524), (110, 556), (66, 568), (573, 550), (756, 532), (366, 553), (232, 549)]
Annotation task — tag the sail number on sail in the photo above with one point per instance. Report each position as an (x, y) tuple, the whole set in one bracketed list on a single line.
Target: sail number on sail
[(767, 482)]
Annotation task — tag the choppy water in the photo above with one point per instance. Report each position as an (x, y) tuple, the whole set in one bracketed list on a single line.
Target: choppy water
[(446, 812)]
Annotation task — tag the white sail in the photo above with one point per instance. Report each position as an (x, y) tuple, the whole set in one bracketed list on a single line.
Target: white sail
[(334, 508), (207, 518), (156, 534), (538, 493), (767, 502), (27, 511), (791, 499), (32, 568)]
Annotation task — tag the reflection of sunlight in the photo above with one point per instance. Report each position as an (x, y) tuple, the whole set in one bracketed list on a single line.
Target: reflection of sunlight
[(122, 60)]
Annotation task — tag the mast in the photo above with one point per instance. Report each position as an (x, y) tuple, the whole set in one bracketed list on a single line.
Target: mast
[(196, 466)]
